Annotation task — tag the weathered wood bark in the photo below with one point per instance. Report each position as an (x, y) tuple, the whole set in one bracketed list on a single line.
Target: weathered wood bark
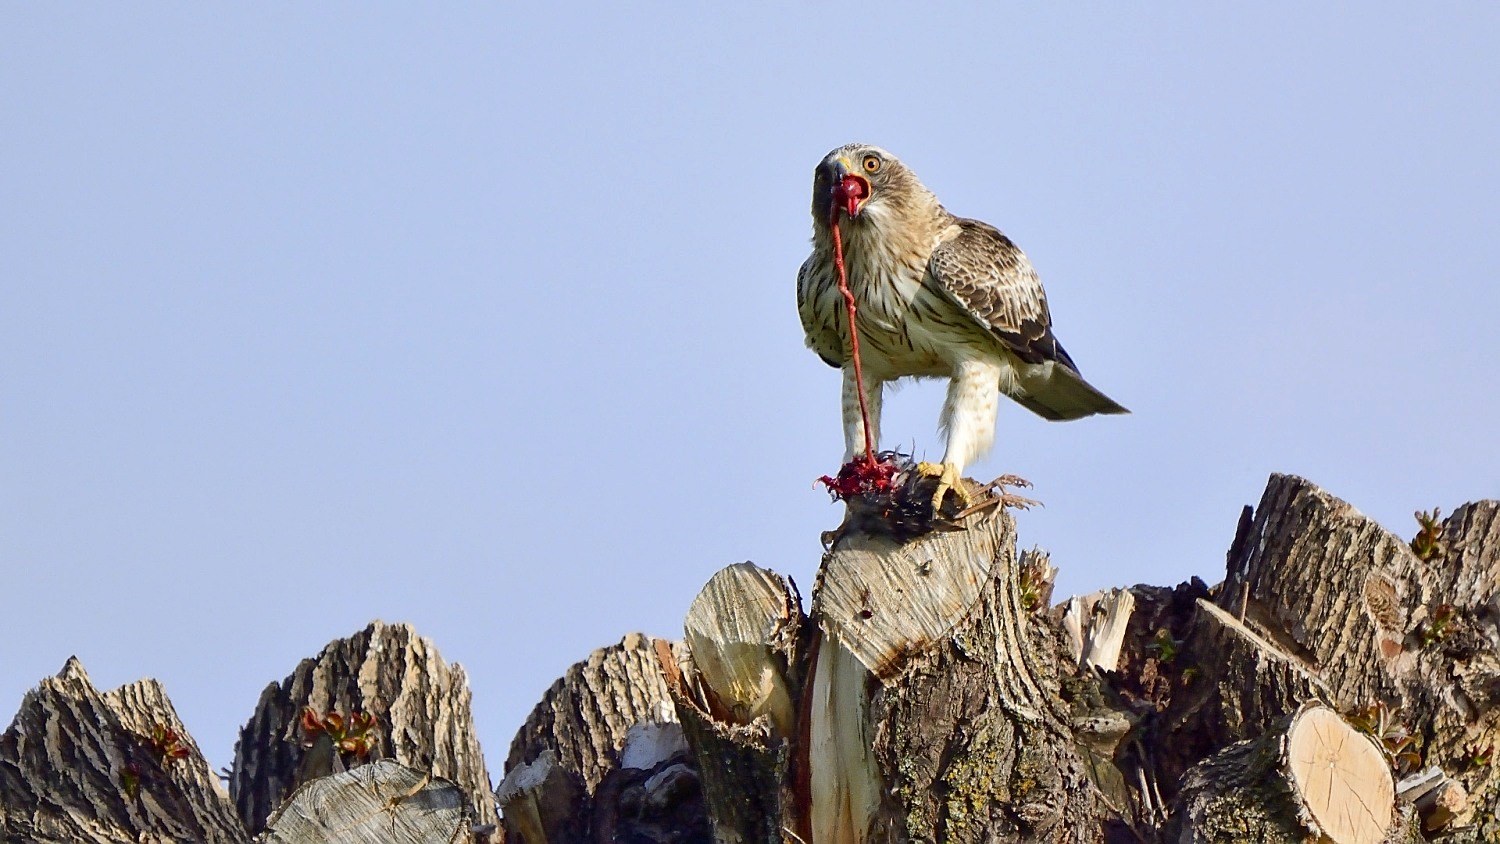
[(382, 801), (1240, 687), (590, 737), (80, 766), (1379, 625), (422, 703), (586, 715), (1311, 777)]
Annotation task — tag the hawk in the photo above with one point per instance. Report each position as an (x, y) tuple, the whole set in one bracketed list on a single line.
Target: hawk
[(938, 296)]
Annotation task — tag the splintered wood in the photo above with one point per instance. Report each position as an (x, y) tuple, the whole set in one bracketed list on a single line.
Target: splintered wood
[(1096, 625), (741, 630)]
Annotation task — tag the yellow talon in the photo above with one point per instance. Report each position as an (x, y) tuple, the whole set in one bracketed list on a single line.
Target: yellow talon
[(948, 478)]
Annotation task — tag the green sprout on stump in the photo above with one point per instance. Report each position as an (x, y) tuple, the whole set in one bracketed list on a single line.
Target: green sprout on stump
[(1479, 756), (1439, 627), (130, 779), (166, 745), (1164, 646), (1394, 737), (1035, 580), (354, 736), (1428, 542)]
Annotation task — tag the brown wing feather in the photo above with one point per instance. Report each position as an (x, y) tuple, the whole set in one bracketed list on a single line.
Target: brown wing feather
[(987, 274)]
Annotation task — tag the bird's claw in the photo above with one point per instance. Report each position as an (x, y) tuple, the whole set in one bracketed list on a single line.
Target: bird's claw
[(997, 495), (948, 478)]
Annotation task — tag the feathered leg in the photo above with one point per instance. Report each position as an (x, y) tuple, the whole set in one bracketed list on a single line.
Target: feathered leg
[(854, 426), (969, 421)]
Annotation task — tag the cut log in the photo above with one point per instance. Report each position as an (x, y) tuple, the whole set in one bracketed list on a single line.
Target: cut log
[(742, 631), (1340, 778), (422, 705), (1378, 624), (1313, 777), (934, 713), (78, 766), (383, 801)]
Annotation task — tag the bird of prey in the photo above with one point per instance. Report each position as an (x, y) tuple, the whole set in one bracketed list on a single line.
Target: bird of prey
[(938, 296)]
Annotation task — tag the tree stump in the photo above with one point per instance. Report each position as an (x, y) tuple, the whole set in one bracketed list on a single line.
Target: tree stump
[(735, 688), (927, 699), (78, 766), (601, 757), (958, 726), (423, 707)]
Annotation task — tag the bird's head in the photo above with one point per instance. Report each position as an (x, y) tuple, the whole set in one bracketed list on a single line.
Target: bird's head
[(861, 182)]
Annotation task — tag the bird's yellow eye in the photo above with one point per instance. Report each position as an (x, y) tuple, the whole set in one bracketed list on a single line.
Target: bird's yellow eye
[(872, 163)]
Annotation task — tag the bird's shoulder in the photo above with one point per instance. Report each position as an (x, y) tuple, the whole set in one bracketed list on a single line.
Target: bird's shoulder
[(983, 270), (975, 252)]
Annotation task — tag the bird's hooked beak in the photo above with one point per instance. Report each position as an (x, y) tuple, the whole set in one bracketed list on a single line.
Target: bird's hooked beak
[(850, 190)]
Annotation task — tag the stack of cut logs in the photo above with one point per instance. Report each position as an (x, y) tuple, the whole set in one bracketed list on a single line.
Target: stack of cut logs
[(1339, 685)]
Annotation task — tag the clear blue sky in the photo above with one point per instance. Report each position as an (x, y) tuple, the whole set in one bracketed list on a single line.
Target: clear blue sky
[(481, 317)]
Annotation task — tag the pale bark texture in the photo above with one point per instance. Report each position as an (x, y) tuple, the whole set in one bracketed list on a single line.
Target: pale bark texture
[(423, 707), (80, 766)]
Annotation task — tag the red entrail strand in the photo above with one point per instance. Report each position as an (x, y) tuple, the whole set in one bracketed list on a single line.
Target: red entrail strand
[(859, 375)]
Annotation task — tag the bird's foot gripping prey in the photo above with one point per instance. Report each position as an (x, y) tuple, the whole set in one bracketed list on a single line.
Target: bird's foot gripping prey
[(904, 504), (897, 287), (949, 480)]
